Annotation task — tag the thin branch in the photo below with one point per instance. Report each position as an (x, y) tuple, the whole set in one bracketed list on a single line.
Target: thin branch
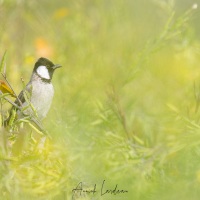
[(9, 101), (119, 111), (2, 117), (38, 124), (4, 76), (4, 69), (35, 121)]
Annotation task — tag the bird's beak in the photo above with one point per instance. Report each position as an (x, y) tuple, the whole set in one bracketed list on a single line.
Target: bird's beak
[(56, 66)]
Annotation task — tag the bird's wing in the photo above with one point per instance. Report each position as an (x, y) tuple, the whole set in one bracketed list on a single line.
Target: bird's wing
[(27, 91)]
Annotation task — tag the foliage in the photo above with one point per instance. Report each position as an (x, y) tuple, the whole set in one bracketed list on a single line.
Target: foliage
[(126, 105)]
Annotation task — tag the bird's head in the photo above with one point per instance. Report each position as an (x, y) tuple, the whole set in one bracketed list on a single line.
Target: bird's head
[(44, 68)]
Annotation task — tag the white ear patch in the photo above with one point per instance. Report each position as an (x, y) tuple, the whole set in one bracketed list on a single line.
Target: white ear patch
[(43, 72)]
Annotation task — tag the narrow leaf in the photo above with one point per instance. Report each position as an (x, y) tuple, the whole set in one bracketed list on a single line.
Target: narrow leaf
[(2, 64), (5, 88)]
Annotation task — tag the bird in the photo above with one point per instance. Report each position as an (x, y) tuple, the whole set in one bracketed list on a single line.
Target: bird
[(36, 97)]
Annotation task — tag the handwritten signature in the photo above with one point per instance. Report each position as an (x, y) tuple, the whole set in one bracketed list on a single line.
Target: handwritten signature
[(103, 191)]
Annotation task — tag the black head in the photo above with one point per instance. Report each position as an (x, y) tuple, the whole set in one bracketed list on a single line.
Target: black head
[(44, 68)]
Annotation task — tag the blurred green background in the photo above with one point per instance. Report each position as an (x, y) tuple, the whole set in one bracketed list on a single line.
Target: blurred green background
[(126, 104)]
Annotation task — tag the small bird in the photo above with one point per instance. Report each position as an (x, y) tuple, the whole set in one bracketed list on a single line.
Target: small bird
[(38, 93)]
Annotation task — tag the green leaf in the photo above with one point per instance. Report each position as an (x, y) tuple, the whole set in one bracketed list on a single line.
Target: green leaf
[(2, 64)]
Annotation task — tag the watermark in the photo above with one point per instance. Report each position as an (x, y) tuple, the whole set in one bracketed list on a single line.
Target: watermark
[(101, 190)]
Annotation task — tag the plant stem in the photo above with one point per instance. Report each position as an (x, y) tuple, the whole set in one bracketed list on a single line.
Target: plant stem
[(4, 76)]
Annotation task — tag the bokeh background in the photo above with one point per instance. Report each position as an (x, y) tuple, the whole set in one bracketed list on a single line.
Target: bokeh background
[(126, 104)]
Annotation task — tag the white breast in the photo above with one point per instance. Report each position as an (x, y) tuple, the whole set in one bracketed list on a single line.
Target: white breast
[(42, 96)]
